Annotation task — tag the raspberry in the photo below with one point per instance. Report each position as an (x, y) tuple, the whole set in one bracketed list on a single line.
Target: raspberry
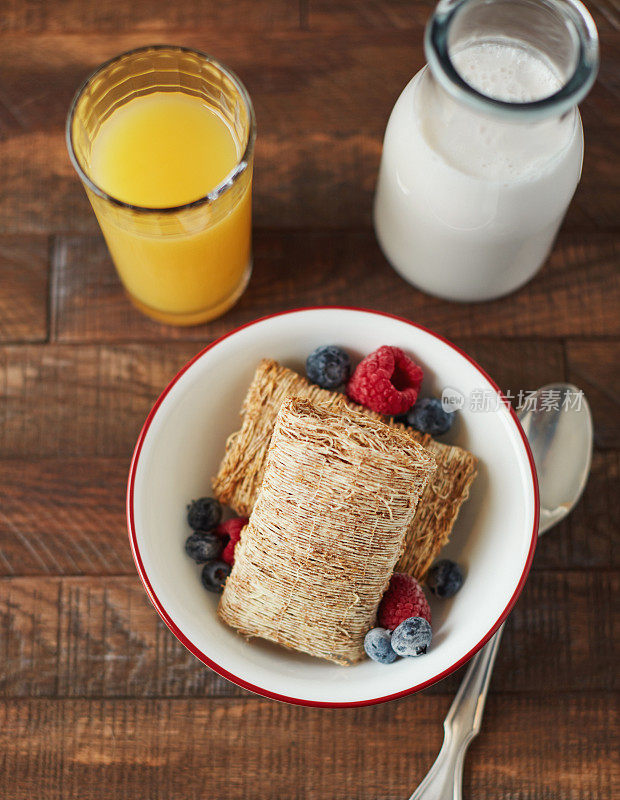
[(386, 381), (232, 529), (403, 599)]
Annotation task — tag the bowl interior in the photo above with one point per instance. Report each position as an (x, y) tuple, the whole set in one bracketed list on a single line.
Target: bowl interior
[(181, 450)]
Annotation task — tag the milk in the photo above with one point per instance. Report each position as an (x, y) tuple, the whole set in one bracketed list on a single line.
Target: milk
[(468, 205)]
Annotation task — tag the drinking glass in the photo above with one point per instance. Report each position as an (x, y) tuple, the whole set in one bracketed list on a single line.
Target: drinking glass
[(185, 264)]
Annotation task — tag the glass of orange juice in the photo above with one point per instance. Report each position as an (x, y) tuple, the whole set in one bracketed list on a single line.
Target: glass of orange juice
[(163, 140)]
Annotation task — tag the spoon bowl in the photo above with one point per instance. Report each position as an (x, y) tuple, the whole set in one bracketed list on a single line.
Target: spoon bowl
[(558, 424)]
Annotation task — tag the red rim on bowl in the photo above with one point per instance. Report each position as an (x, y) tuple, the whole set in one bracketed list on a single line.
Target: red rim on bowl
[(258, 689)]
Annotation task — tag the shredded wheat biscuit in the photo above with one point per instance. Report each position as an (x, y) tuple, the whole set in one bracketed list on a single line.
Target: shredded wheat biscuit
[(241, 472), (339, 492)]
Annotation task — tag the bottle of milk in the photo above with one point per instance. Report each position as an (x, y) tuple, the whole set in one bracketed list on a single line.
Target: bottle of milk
[(483, 149)]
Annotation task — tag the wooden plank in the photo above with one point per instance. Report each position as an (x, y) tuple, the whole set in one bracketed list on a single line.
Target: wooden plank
[(588, 537), (593, 366), (91, 400), (43, 502), (322, 102), (66, 516), (257, 748), (376, 14), (25, 292), (517, 366), (577, 292), (294, 77), (63, 400), (301, 157), (100, 637), (93, 637), (153, 17), (407, 14)]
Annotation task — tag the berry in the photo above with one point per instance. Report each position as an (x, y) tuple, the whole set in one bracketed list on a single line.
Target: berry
[(214, 574), (404, 598), (328, 366), (378, 646), (412, 637), (428, 416), (203, 546), (387, 381), (204, 514), (232, 529), (445, 578)]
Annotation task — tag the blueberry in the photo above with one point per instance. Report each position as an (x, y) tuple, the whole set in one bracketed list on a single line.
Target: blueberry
[(445, 578), (378, 646), (328, 366), (204, 514), (203, 546), (214, 574), (428, 416), (412, 637)]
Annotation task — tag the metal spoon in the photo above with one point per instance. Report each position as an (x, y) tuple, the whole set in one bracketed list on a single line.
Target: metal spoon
[(558, 425)]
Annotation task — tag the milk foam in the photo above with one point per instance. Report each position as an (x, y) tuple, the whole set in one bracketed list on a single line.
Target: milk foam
[(506, 72), (487, 147)]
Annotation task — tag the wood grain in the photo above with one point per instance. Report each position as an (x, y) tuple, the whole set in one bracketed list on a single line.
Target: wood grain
[(100, 637), (254, 748), (374, 14), (66, 516), (63, 400), (593, 366), (99, 700), (25, 291), (152, 17), (322, 101), (74, 400), (411, 14), (577, 292), (80, 400), (588, 537)]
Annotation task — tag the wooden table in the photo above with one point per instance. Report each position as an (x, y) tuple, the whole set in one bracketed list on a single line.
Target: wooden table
[(98, 698)]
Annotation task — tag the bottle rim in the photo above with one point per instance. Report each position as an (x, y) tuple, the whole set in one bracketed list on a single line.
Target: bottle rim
[(574, 89)]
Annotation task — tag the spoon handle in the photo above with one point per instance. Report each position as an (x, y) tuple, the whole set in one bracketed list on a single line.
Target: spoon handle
[(462, 723)]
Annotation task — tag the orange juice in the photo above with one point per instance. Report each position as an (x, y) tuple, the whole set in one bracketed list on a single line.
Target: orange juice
[(160, 151)]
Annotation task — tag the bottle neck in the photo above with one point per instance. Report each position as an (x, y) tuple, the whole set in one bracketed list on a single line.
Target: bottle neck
[(518, 60)]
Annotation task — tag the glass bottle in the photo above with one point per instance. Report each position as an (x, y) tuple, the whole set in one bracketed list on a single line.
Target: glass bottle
[(484, 147)]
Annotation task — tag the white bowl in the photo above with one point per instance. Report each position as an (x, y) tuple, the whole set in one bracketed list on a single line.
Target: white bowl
[(179, 450)]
